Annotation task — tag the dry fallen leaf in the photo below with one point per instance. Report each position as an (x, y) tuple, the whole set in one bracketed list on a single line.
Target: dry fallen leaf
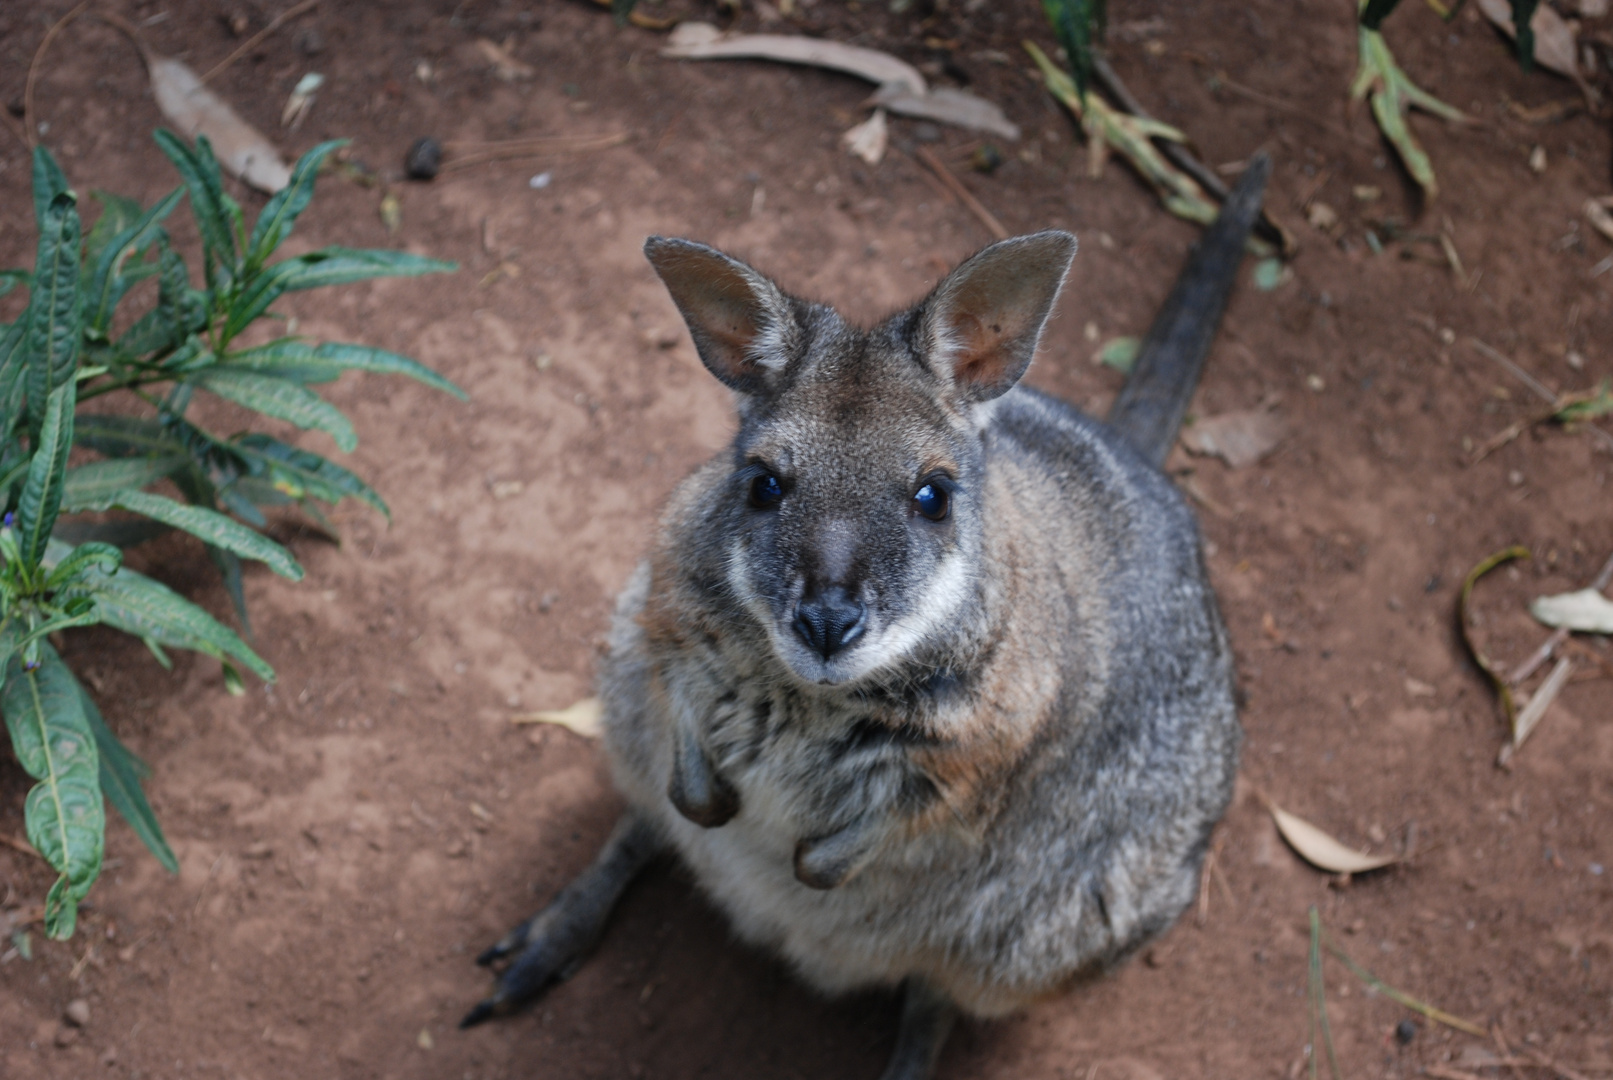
[(1597, 210), (1555, 47), (1586, 610), (868, 139), (902, 89), (947, 106), (391, 212), (583, 717), (1321, 850), (1238, 438), (702, 41), (301, 100), (505, 66), (196, 110)]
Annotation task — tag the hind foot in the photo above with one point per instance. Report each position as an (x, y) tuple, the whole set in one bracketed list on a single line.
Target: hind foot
[(550, 946)]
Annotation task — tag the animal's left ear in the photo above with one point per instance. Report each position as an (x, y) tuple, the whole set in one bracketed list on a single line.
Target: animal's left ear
[(981, 325)]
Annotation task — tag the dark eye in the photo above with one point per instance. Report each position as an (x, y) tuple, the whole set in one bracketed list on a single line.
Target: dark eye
[(931, 501), (765, 490)]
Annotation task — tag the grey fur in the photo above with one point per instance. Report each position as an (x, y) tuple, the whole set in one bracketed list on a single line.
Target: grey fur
[(1007, 781)]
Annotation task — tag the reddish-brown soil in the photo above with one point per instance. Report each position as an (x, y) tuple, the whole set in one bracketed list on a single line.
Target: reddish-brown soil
[(352, 835)]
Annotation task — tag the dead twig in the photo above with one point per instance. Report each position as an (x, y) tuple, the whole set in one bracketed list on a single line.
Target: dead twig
[(1535, 708), (1535, 386), (18, 844), (251, 43), (1225, 80), (954, 185), (29, 128)]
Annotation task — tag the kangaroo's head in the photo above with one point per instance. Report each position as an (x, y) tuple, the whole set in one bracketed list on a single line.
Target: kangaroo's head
[(852, 523)]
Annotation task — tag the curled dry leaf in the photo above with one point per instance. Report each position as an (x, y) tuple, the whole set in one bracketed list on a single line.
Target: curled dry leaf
[(1586, 610), (1321, 850), (583, 717), (868, 139), (1237, 438), (1555, 46), (1503, 689), (196, 110)]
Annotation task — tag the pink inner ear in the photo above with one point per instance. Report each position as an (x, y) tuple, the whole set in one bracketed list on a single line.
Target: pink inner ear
[(980, 358)]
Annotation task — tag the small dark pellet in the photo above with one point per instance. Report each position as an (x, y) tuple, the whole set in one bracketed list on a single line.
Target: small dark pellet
[(423, 159), (1405, 1031)]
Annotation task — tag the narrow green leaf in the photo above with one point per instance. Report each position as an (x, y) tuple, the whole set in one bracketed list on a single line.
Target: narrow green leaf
[(300, 473), (365, 358), (281, 399), (208, 525), (65, 815), (107, 282), (49, 182), (101, 558), (42, 490), (274, 223), (1523, 13), (127, 533), (13, 371), (151, 611), (1078, 25), (55, 331), (228, 565), (121, 774), (125, 436), (328, 266), (1373, 12), (299, 361), (10, 279), (203, 181), (118, 212), (99, 480)]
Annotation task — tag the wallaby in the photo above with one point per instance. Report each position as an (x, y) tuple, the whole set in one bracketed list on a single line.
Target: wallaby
[(923, 677)]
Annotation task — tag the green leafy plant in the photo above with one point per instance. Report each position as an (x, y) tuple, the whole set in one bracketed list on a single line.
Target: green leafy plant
[(68, 347)]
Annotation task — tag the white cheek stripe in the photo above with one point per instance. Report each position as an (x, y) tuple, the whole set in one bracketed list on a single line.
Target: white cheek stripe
[(947, 592)]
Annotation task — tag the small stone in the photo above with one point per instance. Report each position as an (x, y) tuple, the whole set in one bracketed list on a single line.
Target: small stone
[(1322, 217), (77, 1012), (1405, 1031), (424, 158), (1537, 160), (65, 1036), (311, 42)]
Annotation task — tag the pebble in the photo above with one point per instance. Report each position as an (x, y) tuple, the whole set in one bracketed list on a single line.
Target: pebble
[(65, 1035), (77, 1012), (540, 181), (1405, 1031), (424, 158)]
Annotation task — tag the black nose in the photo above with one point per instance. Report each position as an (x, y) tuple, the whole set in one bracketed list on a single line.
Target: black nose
[(830, 621)]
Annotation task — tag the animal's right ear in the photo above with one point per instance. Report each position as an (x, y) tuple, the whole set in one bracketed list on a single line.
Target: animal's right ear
[(742, 325)]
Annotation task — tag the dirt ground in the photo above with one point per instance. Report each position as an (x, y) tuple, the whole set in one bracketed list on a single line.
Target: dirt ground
[(352, 835)]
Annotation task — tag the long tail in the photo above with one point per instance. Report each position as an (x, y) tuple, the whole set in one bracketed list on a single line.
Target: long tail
[(1150, 408)]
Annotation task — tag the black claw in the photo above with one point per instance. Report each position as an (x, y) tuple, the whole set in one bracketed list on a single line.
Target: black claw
[(484, 1011), (491, 954)]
